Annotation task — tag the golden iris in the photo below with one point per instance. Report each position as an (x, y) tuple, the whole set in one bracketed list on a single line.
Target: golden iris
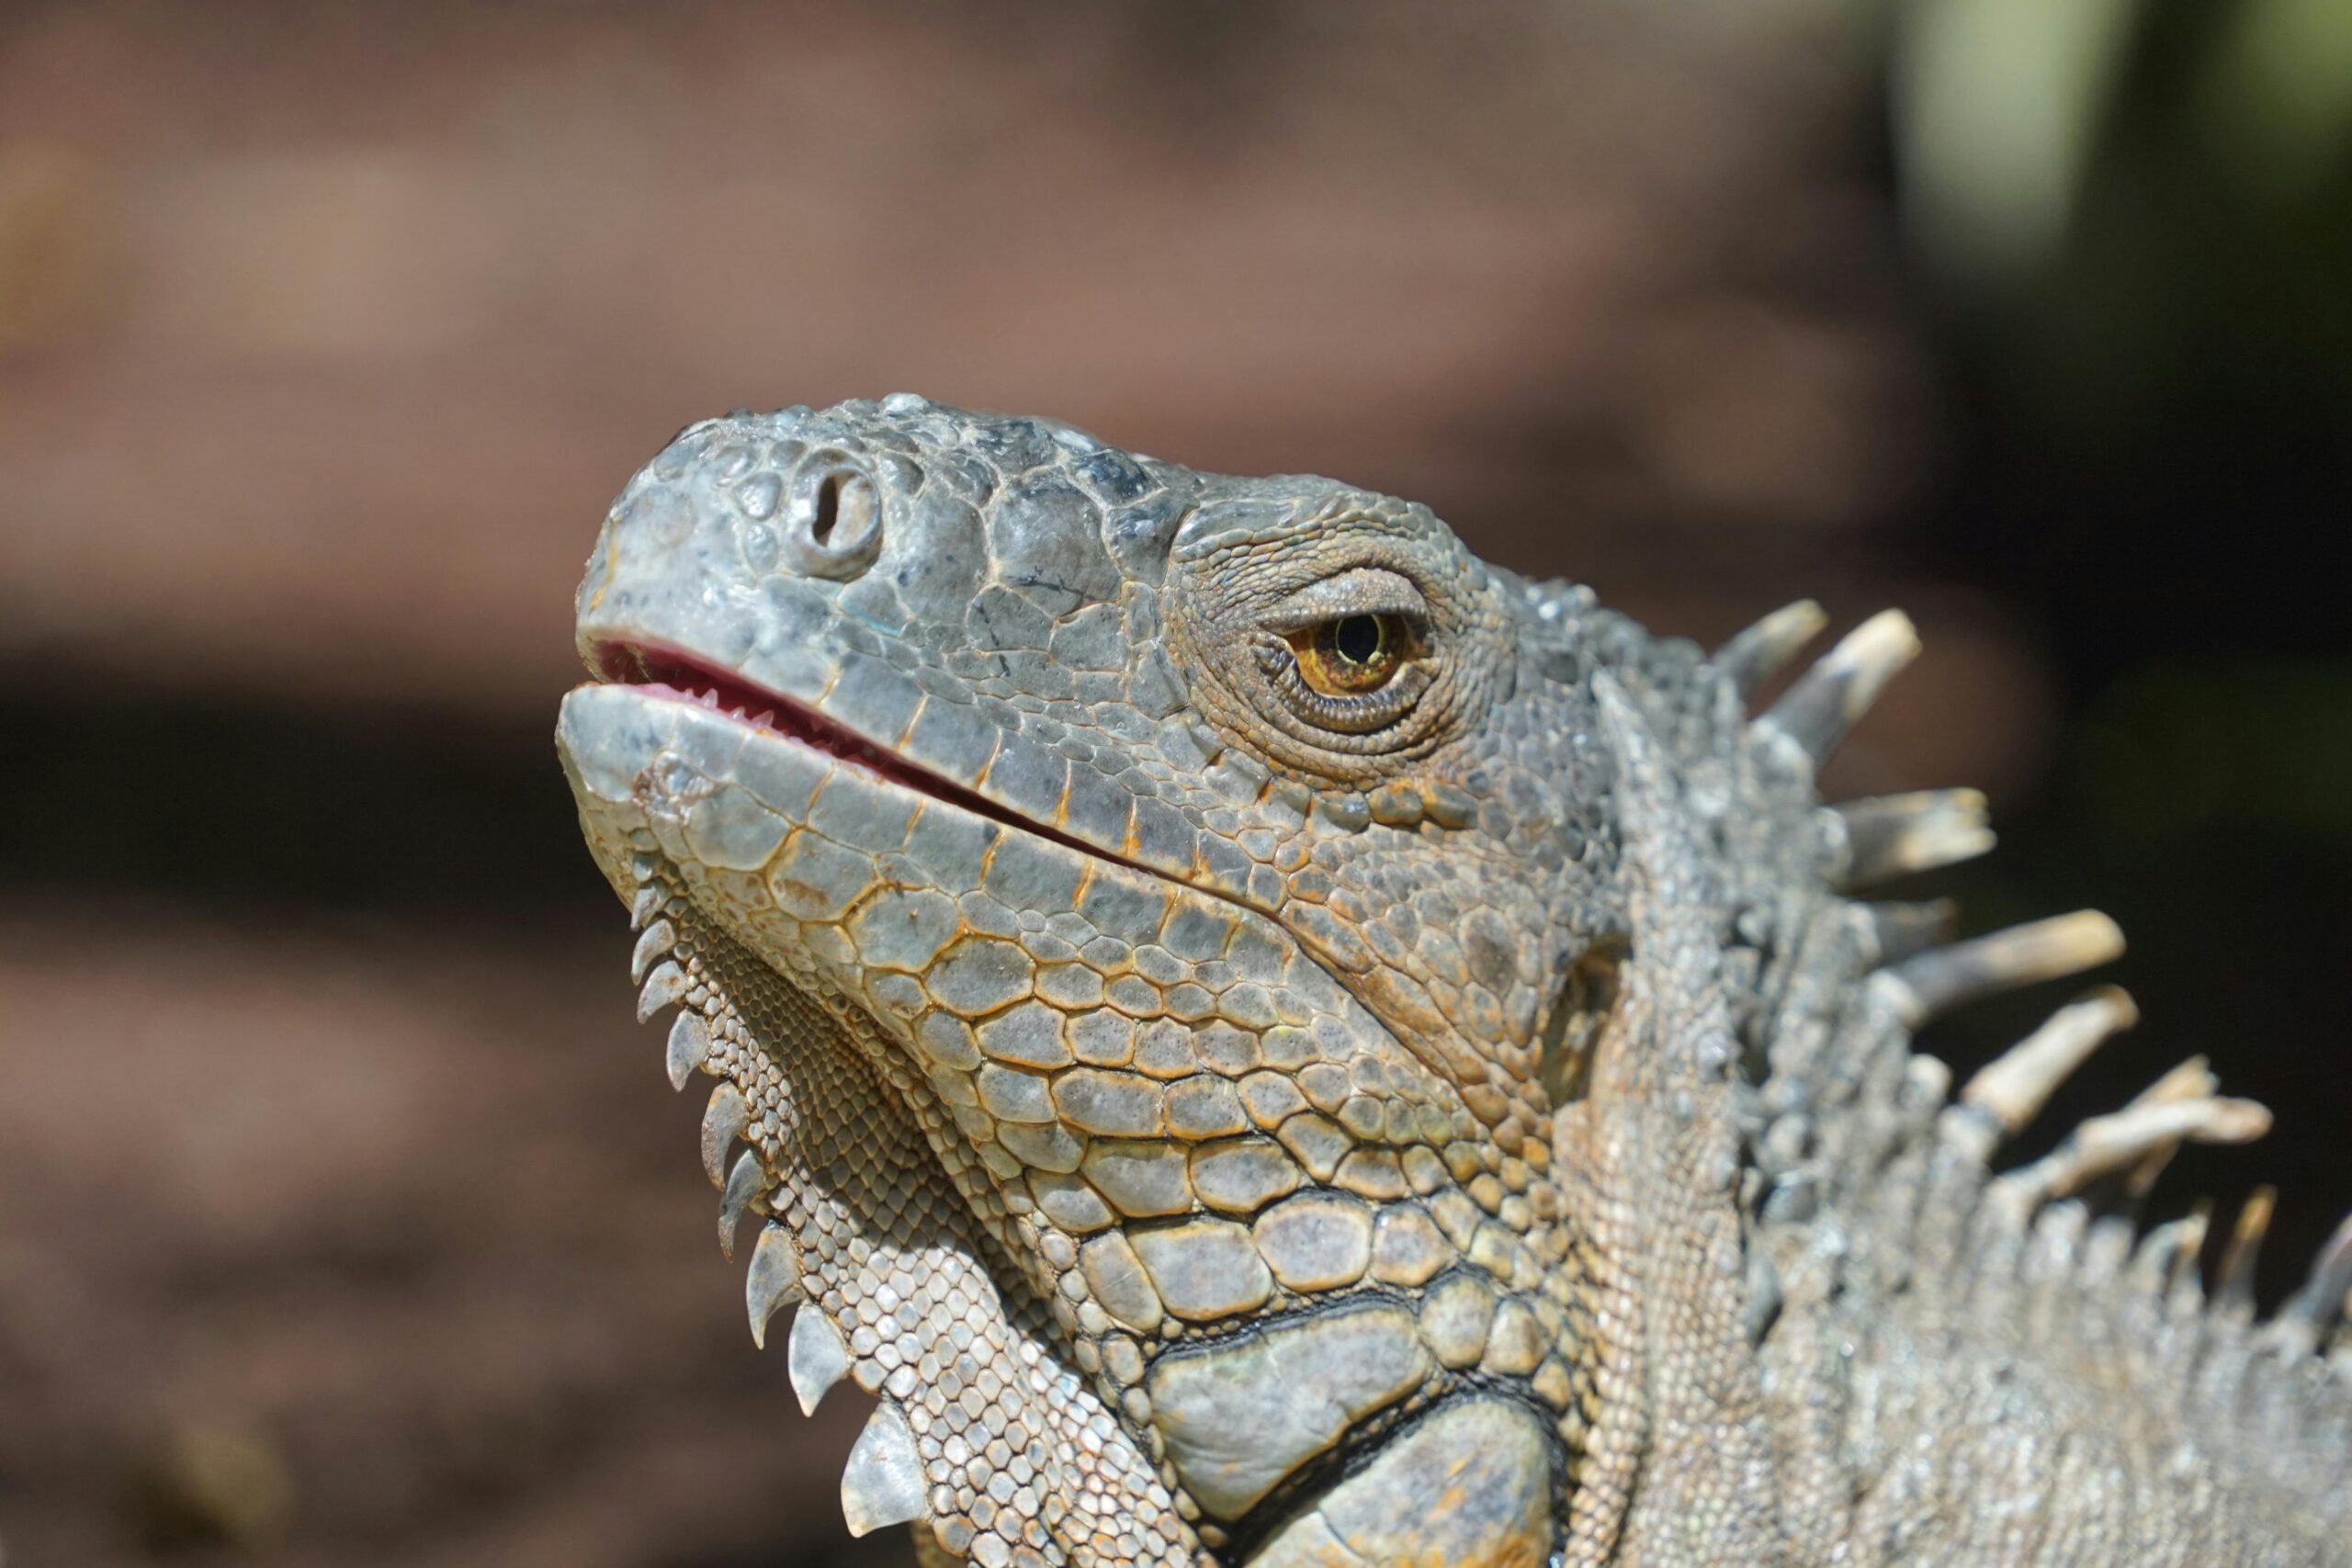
[(1351, 655)]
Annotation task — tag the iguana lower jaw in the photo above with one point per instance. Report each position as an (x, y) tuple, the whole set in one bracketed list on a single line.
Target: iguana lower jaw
[(916, 1281)]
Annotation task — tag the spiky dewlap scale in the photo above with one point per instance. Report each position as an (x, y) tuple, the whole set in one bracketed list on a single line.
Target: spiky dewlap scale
[(1256, 1037)]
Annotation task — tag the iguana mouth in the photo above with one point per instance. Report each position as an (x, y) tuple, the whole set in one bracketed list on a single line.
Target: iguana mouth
[(668, 671), (662, 671)]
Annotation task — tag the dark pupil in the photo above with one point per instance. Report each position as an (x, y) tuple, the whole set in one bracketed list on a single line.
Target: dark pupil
[(1357, 638)]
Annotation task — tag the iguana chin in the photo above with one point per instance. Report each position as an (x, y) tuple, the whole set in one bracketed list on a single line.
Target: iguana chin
[(1258, 1037)]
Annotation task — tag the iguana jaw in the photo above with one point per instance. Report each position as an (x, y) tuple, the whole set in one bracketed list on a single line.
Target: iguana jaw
[(962, 1054), (662, 671)]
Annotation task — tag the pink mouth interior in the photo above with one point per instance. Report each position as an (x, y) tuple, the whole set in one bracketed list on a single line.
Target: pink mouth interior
[(732, 694)]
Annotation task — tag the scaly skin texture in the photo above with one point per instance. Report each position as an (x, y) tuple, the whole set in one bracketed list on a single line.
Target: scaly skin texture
[(1258, 1037)]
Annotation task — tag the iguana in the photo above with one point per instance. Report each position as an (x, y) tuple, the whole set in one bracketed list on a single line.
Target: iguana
[(1258, 1037)]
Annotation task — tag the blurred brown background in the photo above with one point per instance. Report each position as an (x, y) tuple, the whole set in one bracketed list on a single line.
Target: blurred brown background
[(343, 1217)]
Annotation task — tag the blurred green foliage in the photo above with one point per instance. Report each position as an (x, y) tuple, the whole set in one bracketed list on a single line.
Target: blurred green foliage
[(2129, 198)]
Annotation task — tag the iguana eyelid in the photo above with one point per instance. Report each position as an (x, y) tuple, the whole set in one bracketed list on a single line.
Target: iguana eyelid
[(1364, 591)]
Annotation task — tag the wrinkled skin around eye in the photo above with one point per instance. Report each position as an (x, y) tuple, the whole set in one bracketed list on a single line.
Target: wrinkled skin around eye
[(1263, 637)]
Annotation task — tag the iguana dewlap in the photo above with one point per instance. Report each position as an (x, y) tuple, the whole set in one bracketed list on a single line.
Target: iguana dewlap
[(1258, 1037)]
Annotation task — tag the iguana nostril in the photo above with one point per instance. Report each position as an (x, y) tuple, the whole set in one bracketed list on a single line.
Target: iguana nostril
[(832, 523), (829, 508)]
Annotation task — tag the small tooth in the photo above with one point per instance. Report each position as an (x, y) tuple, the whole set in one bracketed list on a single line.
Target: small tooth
[(723, 1121), (649, 897), (883, 1484), (2104, 1145), (2013, 1086), (744, 1182), (643, 865), (1829, 699), (816, 1357), (1942, 978), (767, 720), (773, 1280), (663, 987), (1750, 658), (659, 939), (2234, 1282), (1889, 836), (689, 1047)]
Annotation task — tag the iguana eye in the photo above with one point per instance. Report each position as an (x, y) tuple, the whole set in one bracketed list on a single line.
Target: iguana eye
[(1351, 655), (1330, 676)]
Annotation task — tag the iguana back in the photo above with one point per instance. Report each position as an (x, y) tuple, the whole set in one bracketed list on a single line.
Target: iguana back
[(1259, 1037)]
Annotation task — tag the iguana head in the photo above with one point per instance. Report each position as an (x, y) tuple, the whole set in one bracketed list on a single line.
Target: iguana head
[(1259, 1038), (1144, 924)]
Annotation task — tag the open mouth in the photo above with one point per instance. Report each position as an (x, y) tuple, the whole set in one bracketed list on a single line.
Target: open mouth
[(663, 671), (666, 672)]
